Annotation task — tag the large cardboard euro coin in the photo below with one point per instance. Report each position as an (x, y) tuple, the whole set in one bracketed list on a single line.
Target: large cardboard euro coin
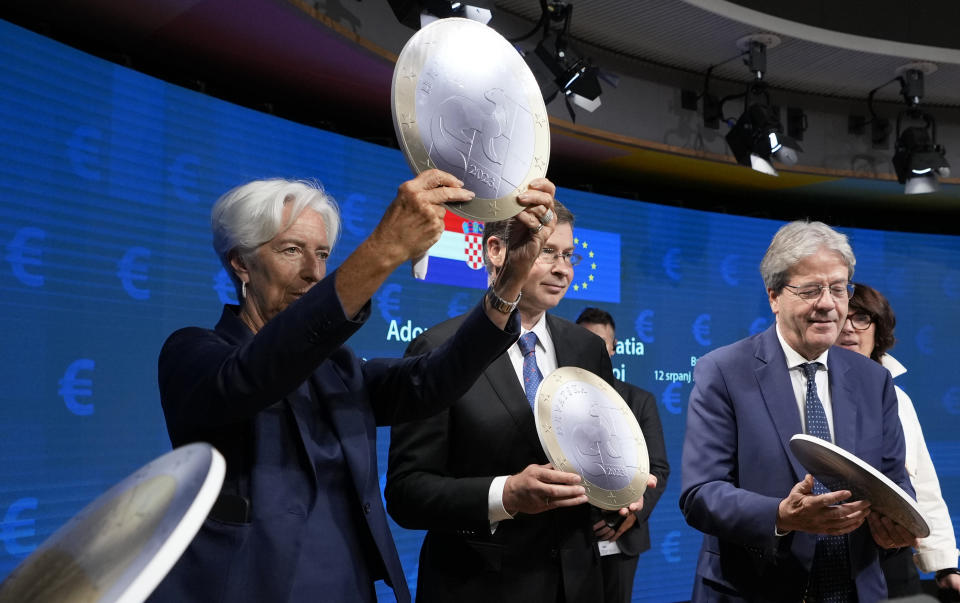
[(838, 469), (120, 546), (586, 428), (464, 101)]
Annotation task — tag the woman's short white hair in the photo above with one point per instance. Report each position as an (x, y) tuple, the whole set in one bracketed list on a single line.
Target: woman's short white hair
[(797, 240), (251, 214)]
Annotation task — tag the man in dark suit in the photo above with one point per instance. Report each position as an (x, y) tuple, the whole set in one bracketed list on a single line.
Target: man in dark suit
[(621, 543), (771, 533), (503, 525)]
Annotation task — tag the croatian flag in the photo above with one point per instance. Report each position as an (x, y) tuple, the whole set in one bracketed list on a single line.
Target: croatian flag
[(457, 258)]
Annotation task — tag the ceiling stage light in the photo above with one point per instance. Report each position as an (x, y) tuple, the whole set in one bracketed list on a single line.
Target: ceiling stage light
[(418, 13), (758, 137), (577, 79), (918, 160)]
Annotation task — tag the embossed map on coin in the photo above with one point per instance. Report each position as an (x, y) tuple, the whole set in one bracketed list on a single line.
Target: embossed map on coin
[(464, 101), (585, 427)]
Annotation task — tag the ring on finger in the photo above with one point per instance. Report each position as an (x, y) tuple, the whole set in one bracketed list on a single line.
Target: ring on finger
[(535, 231), (547, 501), (546, 218)]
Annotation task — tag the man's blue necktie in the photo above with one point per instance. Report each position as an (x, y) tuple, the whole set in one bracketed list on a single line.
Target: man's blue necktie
[(830, 575), (531, 372)]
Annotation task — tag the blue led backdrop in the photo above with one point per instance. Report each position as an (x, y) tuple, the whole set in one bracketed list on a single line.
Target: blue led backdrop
[(106, 183)]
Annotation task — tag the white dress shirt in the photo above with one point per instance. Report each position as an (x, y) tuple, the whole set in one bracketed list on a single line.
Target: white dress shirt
[(799, 381), (547, 362)]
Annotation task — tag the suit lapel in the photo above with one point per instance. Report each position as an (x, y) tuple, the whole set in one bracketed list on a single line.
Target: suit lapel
[(842, 399), (503, 379), (352, 423), (295, 401), (347, 419), (777, 391), (567, 355)]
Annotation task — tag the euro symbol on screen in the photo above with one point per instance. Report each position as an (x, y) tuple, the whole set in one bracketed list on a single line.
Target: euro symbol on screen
[(14, 528), (924, 339), (73, 387), (671, 263), (182, 176), (351, 214), (83, 151), (388, 300), (671, 398), (671, 547), (701, 329), (129, 272), (951, 285), (644, 326), (728, 269), (20, 254)]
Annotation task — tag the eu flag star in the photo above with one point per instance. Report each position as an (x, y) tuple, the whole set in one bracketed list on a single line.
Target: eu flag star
[(603, 282)]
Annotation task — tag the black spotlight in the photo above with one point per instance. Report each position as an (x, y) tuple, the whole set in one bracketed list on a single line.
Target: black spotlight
[(575, 77), (417, 13), (918, 160), (758, 137)]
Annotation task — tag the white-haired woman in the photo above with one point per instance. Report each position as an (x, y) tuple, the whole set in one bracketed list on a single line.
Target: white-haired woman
[(294, 411)]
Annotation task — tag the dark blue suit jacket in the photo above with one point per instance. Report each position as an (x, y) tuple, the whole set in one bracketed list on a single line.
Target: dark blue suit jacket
[(245, 394), (440, 473), (737, 466)]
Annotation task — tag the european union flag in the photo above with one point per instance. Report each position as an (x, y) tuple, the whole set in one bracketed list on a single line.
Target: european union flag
[(597, 276)]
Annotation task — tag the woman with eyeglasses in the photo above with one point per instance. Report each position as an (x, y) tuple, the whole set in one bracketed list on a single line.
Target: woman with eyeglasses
[(868, 330)]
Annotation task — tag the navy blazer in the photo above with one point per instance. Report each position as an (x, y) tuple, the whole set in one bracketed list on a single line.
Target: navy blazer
[(737, 466), (245, 394), (440, 473)]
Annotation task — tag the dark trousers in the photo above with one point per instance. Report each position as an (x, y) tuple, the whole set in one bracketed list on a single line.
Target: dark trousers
[(900, 573), (618, 571)]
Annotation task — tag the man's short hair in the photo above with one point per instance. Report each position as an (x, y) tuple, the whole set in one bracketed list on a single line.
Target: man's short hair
[(596, 316), (501, 228), (797, 240)]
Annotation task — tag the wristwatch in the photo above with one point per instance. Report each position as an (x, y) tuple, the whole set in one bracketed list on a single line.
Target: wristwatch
[(501, 305)]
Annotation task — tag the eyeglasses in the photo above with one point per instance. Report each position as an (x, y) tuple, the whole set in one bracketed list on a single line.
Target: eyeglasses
[(549, 255), (813, 292), (860, 322)]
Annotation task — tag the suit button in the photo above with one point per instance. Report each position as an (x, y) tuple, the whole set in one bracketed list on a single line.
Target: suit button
[(366, 507), (553, 553)]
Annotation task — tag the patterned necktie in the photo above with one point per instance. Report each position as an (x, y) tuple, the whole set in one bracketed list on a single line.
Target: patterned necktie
[(531, 372), (830, 575)]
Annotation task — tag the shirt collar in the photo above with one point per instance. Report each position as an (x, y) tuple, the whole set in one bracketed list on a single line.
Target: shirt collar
[(540, 329), (794, 359)]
